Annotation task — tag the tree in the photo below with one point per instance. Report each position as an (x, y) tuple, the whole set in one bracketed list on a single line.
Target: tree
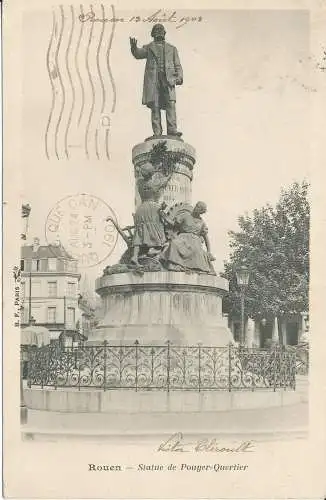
[(274, 243)]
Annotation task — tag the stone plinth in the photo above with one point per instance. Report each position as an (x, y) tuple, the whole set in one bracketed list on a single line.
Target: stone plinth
[(179, 187), (159, 306), (157, 405)]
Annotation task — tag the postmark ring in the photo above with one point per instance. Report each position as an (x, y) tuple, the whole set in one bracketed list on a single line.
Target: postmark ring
[(79, 224)]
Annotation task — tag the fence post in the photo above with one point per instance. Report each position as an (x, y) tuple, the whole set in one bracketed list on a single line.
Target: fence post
[(251, 353), (281, 369), (78, 355), (57, 353), (104, 361), (294, 371), (286, 360), (199, 367), (136, 355), (168, 367), (23, 407), (284, 366), (152, 366), (275, 363), (230, 357), (29, 378), (45, 364)]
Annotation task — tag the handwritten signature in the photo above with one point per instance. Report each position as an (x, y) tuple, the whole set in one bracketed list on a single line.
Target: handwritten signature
[(177, 443)]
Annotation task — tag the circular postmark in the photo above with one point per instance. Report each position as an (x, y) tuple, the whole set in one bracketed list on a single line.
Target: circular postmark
[(79, 224)]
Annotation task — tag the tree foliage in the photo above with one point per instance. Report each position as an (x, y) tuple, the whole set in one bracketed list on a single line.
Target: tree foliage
[(274, 243), (160, 155)]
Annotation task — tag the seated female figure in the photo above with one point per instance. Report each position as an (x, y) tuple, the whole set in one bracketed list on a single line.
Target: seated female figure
[(185, 250)]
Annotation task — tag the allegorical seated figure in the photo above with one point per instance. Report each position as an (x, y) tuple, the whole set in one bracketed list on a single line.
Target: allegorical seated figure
[(185, 251), (149, 227)]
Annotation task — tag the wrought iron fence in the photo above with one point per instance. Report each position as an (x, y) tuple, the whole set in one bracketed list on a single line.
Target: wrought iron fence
[(166, 367), (301, 352)]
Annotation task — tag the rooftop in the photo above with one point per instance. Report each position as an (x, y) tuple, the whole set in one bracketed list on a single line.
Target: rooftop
[(44, 252)]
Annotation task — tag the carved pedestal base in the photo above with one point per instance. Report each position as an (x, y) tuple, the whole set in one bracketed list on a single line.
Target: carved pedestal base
[(160, 306)]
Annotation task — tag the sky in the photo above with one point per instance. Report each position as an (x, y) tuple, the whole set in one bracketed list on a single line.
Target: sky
[(244, 106)]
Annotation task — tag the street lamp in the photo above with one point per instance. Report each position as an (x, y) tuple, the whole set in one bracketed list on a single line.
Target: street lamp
[(242, 274), (26, 210)]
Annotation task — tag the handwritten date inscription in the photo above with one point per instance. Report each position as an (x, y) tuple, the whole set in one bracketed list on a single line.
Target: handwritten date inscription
[(159, 16)]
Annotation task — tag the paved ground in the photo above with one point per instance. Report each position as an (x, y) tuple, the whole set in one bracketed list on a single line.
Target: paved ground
[(273, 423), (263, 424)]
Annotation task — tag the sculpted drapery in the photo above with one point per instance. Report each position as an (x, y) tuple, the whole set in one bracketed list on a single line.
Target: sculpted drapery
[(163, 72), (172, 69)]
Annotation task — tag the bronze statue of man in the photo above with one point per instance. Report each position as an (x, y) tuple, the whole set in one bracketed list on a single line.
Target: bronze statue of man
[(163, 72)]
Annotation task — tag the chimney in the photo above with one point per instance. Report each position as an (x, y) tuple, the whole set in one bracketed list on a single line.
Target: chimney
[(36, 244)]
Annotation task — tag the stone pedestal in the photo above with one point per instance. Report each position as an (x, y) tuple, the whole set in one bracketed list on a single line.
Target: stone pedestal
[(179, 187), (156, 307), (160, 306)]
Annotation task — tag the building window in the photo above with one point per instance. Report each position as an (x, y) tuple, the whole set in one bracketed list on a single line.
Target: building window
[(24, 315), (35, 265), (36, 289), (71, 266), (71, 317), (23, 289), (22, 265), (52, 313), (35, 313), (53, 288), (71, 290), (52, 264)]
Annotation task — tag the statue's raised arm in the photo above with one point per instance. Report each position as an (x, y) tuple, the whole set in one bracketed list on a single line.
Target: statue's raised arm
[(163, 71), (138, 53)]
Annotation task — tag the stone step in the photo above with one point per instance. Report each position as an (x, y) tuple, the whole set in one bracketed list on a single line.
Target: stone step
[(158, 437), (259, 424)]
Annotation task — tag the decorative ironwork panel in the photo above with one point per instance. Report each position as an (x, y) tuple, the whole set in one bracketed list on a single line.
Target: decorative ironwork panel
[(215, 367), (152, 367), (262, 368), (167, 367), (301, 352), (184, 368)]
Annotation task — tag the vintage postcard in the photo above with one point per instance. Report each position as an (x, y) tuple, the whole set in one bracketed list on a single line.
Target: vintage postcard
[(164, 235)]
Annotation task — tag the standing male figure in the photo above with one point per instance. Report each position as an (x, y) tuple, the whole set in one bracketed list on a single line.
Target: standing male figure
[(163, 72)]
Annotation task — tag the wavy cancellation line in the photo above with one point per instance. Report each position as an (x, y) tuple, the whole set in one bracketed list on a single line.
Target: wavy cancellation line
[(98, 60), (72, 85), (78, 70), (108, 61), (78, 67), (63, 100), (52, 85)]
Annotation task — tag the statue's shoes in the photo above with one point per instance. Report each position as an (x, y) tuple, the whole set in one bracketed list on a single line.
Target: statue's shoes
[(176, 133)]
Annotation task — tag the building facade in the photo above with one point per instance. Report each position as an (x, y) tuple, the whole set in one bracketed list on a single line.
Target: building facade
[(87, 322), (50, 288), (262, 333)]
